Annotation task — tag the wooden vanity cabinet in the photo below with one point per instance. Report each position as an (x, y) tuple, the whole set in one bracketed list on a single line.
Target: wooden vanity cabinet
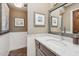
[(41, 50), (38, 51)]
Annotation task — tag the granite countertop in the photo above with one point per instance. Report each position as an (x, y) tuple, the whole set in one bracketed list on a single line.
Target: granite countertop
[(61, 45)]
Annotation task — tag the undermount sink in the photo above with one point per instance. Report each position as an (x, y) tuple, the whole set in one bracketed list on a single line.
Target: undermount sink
[(56, 43)]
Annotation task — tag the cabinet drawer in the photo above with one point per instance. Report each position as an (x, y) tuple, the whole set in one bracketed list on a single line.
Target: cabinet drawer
[(46, 51)]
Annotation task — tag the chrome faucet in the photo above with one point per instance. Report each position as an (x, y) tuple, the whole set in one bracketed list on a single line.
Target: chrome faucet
[(64, 29)]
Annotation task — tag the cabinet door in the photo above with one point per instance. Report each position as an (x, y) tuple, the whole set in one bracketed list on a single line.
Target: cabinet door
[(41, 50), (46, 51), (39, 53)]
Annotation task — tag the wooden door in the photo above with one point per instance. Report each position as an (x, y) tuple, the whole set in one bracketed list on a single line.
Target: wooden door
[(76, 21)]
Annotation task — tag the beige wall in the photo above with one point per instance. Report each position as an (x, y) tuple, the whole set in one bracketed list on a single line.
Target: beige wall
[(40, 8), (68, 19), (17, 13)]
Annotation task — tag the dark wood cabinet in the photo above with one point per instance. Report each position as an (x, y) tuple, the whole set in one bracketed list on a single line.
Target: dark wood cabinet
[(41, 50)]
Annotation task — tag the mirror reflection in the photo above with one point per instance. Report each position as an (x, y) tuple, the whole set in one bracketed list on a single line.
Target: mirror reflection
[(56, 18), (70, 18), (65, 19)]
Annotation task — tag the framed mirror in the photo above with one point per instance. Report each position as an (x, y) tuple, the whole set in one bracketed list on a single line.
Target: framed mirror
[(68, 19), (55, 19)]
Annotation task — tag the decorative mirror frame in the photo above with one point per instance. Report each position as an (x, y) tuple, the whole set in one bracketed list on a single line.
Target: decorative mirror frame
[(49, 18)]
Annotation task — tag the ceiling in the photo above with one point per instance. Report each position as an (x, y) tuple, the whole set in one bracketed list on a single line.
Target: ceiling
[(11, 5)]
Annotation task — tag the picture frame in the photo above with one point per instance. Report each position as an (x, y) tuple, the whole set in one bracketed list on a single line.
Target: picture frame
[(39, 19), (54, 21), (19, 22)]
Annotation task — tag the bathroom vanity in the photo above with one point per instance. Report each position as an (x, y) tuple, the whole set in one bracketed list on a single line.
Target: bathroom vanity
[(54, 45), (41, 50)]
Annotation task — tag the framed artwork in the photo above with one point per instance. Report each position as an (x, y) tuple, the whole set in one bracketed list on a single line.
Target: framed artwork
[(39, 19), (54, 21), (19, 22)]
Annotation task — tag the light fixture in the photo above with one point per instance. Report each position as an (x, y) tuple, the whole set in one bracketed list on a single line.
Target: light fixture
[(19, 5)]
